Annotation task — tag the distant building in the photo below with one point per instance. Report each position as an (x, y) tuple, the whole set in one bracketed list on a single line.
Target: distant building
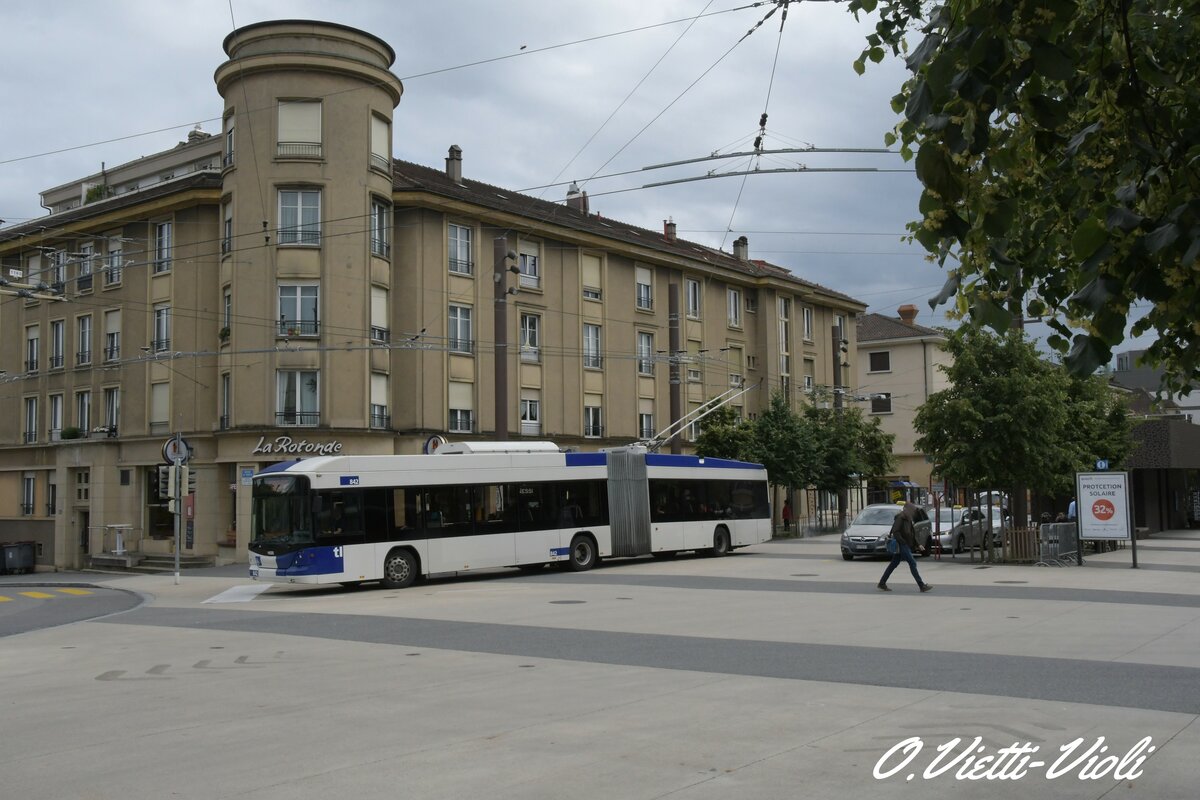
[(898, 369), (289, 289), (1131, 372)]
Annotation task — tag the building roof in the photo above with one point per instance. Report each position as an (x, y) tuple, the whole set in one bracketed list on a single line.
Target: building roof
[(407, 176), (877, 327)]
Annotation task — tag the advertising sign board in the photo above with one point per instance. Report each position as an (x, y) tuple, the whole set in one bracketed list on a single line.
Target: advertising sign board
[(1103, 503)]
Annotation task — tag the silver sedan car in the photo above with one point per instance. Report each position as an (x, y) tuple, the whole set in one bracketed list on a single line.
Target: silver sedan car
[(962, 528), (868, 533)]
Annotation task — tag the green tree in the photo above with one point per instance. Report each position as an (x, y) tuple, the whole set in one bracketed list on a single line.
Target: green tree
[(1010, 418), (785, 444), (724, 435), (849, 449), (1059, 147)]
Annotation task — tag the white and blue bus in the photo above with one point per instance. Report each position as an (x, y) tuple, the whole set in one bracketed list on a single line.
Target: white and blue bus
[(394, 519)]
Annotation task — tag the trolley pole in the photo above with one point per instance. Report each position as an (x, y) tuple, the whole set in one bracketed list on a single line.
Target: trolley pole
[(179, 491)]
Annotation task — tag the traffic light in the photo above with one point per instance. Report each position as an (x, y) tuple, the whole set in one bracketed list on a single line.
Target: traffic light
[(164, 482), (189, 481), (172, 484)]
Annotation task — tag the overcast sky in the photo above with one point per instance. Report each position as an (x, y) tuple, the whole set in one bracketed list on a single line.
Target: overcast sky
[(90, 82)]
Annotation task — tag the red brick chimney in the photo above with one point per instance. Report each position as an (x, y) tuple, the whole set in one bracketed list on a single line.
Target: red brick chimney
[(669, 230), (908, 313), (577, 199)]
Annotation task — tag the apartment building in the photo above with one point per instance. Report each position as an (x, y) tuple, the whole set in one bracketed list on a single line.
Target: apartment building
[(288, 288), (898, 368)]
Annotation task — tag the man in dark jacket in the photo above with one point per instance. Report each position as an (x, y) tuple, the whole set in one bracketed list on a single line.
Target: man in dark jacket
[(905, 535)]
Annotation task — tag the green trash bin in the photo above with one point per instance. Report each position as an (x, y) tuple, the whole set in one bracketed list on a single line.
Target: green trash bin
[(18, 557)]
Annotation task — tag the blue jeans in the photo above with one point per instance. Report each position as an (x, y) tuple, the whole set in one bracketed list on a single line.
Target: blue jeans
[(904, 554)]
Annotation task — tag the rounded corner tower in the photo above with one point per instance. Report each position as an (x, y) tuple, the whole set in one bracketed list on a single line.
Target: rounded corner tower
[(306, 219)]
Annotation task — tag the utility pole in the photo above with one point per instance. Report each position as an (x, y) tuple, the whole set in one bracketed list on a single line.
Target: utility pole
[(500, 257), (840, 347), (673, 337)]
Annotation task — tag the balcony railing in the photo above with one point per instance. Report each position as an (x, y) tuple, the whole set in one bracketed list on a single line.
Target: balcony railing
[(31, 365), (83, 357), (29, 437), (461, 267), (224, 422), (27, 509), (531, 355), (112, 352), (381, 248), (591, 361), (380, 335), (226, 245), (162, 264), (593, 431), (160, 345), (299, 149), (227, 161), (462, 346), (299, 327), (298, 418), (380, 420), (112, 275), (55, 361), (380, 162), (463, 425), (645, 367), (84, 283)]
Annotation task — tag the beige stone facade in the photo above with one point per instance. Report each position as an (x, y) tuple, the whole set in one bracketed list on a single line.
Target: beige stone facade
[(287, 288)]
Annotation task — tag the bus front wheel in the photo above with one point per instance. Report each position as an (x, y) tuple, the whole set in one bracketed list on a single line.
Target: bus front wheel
[(721, 544), (583, 554), (399, 569)]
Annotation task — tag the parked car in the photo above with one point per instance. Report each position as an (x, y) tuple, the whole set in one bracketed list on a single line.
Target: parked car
[(961, 528), (868, 533)]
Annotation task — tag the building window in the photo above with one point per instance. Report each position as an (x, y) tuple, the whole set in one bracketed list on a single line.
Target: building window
[(57, 335), (736, 370), (300, 216), (808, 323), (462, 420), (735, 308), (112, 409), (785, 324), (530, 349), (83, 355), (379, 401), (751, 302), (86, 265), (693, 298), (645, 353), (531, 413), (112, 335), (839, 322), (529, 265), (380, 329), (810, 370), (591, 347), (28, 497), (459, 329), (644, 286), (381, 229), (160, 407), (298, 310), (31, 420), (593, 423), (162, 247), (880, 361), (458, 249), (162, 328), (56, 417), (645, 426), (227, 229), (113, 263), (299, 129), (592, 278), (226, 401), (58, 270), (227, 309), (381, 144), (83, 485), (32, 340), (881, 403), (227, 160), (83, 412), (296, 398)]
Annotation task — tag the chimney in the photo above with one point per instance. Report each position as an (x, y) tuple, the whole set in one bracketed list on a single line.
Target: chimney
[(577, 199), (741, 247), (454, 164), (669, 230), (908, 313), (197, 135)]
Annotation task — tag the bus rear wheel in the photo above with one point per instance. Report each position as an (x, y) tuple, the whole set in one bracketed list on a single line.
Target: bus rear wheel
[(399, 569), (583, 554), (721, 544)]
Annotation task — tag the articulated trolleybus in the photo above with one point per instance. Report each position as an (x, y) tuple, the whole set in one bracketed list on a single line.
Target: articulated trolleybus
[(349, 519)]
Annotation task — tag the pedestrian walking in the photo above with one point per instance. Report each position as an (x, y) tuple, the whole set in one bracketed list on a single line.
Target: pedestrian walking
[(906, 541), (787, 515)]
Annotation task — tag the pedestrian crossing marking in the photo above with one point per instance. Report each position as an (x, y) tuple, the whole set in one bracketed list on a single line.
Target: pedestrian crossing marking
[(37, 595), (73, 591)]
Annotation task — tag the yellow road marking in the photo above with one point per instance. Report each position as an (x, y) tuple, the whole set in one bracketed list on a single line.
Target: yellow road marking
[(73, 591), (37, 595), (4, 599)]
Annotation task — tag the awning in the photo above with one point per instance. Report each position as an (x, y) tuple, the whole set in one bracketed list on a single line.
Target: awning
[(905, 485)]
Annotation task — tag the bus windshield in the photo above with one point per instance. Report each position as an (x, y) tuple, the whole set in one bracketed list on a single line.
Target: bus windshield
[(281, 513)]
